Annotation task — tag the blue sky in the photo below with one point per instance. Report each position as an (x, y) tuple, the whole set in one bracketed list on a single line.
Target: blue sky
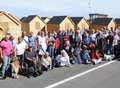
[(60, 7)]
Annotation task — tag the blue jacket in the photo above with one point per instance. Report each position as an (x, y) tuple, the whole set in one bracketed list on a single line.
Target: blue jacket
[(85, 55), (32, 41), (86, 40)]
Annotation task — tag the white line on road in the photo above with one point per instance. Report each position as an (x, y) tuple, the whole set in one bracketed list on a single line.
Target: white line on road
[(78, 75)]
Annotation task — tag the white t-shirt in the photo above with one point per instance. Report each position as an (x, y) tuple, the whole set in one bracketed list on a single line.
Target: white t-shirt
[(42, 42), (63, 60), (93, 36), (20, 48), (47, 61), (25, 40), (116, 38)]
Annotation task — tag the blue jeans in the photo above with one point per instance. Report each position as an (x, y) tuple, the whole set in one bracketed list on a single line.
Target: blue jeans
[(108, 50), (6, 65), (78, 59), (51, 51), (85, 61)]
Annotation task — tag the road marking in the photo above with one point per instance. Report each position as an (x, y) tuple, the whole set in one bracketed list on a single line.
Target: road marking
[(78, 75)]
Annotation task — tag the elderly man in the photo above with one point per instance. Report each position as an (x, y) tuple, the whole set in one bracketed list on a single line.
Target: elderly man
[(31, 60)]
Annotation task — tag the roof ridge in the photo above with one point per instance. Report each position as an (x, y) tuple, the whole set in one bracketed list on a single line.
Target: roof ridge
[(56, 19), (13, 18)]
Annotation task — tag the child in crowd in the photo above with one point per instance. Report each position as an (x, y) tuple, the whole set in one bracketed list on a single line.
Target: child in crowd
[(95, 57), (85, 55)]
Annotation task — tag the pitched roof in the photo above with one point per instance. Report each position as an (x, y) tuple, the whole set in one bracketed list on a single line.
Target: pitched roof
[(76, 20), (11, 17), (98, 14), (43, 18), (28, 19), (117, 20), (101, 21), (56, 19)]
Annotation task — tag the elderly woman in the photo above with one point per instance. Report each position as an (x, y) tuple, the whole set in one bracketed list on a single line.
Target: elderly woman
[(46, 62), (63, 59)]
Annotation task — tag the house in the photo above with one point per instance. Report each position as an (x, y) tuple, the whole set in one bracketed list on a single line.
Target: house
[(99, 23), (45, 19), (32, 23), (117, 21), (9, 23), (57, 23), (97, 15), (80, 22)]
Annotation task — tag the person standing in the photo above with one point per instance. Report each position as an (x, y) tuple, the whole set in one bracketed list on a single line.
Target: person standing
[(109, 44), (60, 37), (20, 50), (51, 48), (32, 41), (42, 42), (78, 37), (6, 46), (57, 46), (24, 36)]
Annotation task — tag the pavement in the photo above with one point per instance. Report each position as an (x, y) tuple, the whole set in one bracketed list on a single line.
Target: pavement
[(105, 77)]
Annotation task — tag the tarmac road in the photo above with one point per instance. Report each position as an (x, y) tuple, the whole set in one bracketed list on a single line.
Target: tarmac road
[(104, 77)]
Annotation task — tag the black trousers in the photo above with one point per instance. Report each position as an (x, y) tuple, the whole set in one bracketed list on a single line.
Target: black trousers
[(43, 68)]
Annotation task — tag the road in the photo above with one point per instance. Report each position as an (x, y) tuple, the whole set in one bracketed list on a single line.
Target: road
[(104, 77)]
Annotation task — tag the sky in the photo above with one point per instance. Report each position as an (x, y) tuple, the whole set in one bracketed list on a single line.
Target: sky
[(22, 8)]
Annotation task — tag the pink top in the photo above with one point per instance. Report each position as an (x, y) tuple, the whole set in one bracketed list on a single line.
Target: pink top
[(6, 47)]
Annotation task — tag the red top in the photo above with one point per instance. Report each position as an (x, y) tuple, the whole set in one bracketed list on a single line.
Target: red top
[(57, 43), (65, 38), (94, 55), (91, 46)]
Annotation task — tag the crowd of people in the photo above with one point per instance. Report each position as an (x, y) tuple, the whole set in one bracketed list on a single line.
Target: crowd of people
[(43, 52)]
